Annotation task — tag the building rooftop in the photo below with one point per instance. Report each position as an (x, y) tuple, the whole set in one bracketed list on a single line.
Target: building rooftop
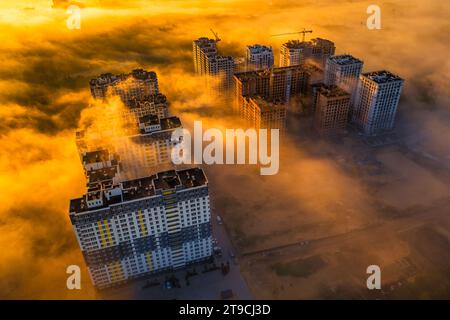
[(257, 48), (317, 42), (96, 156), (207, 46), (322, 42), (109, 78), (330, 91), (103, 79), (191, 178), (166, 180), (79, 205), (103, 174), (295, 44), (300, 67), (170, 123), (242, 76), (149, 120), (345, 59), (382, 76), (268, 104), (221, 58), (188, 178), (156, 99), (251, 74), (204, 41), (139, 188), (141, 74)]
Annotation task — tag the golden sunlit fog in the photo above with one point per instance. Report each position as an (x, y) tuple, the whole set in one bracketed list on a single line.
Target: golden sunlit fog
[(44, 88)]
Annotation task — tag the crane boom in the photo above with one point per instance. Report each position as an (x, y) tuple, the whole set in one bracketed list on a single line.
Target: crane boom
[(303, 33), (215, 35)]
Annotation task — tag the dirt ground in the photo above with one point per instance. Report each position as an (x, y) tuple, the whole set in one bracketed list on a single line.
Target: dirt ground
[(408, 184), (355, 206)]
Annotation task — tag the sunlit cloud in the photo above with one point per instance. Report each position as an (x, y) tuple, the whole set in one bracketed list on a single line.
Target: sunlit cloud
[(44, 98)]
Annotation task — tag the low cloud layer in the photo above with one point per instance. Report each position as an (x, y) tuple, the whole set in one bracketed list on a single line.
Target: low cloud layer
[(44, 78)]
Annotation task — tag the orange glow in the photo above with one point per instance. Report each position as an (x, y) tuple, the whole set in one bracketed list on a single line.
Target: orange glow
[(44, 88)]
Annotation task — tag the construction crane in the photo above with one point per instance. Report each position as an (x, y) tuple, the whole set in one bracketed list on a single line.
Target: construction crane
[(304, 32), (215, 35)]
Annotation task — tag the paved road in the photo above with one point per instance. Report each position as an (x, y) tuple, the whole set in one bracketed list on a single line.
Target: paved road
[(236, 280)]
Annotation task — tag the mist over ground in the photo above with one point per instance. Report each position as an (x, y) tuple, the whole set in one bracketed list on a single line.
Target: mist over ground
[(44, 87)]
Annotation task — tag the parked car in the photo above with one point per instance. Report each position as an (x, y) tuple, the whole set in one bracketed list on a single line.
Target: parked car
[(219, 220), (168, 284)]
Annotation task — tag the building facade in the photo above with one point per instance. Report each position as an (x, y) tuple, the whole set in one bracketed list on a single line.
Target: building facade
[(276, 84), (141, 152), (219, 74), (259, 57), (332, 105), (139, 131), (260, 113), (316, 51), (203, 50), (377, 100), (344, 71), (135, 228), (218, 70), (156, 105), (149, 150)]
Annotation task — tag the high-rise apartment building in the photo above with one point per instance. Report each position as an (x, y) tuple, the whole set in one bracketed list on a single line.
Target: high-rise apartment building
[(140, 131), (331, 105), (203, 50), (135, 85), (156, 104), (258, 113), (316, 51), (142, 151), (377, 99), (150, 149), (259, 57), (135, 228), (273, 84), (98, 159), (217, 69), (344, 71)]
